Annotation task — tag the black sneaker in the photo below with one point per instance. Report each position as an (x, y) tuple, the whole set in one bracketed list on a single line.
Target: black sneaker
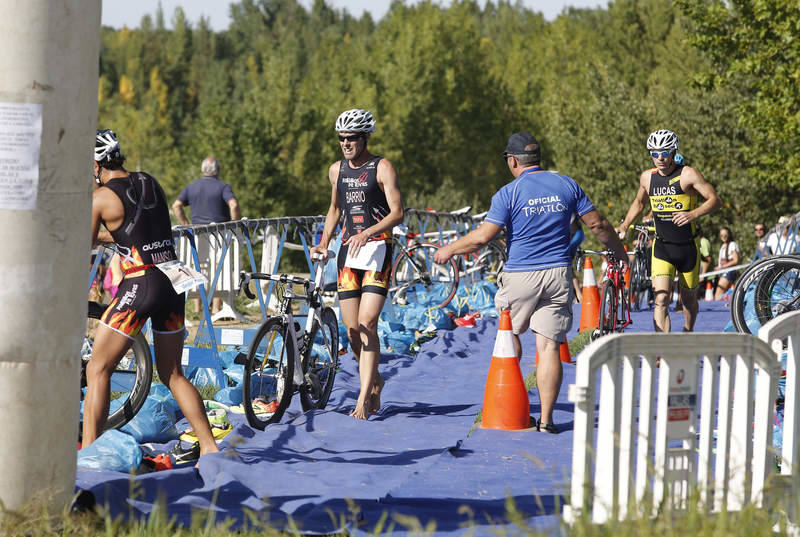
[(182, 455)]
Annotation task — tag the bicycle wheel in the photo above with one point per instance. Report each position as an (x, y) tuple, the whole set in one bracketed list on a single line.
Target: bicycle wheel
[(778, 290), (637, 287), (130, 381), (491, 258), (268, 373), (321, 361), (416, 277), (743, 314), (608, 311)]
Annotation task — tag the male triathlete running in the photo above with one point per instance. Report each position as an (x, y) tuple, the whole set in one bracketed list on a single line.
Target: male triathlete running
[(364, 188), (673, 191), (133, 209)]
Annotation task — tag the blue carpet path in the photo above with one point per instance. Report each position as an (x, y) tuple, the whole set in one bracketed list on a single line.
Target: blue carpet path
[(412, 464)]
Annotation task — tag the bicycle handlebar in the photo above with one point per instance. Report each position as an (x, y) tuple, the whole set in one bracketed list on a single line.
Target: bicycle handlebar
[(307, 283), (649, 229)]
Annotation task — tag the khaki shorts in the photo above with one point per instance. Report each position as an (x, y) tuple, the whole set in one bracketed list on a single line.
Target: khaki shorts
[(540, 299)]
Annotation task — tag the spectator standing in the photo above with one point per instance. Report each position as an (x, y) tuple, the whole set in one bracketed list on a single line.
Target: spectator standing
[(762, 248), (728, 257), (212, 201), (536, 209)]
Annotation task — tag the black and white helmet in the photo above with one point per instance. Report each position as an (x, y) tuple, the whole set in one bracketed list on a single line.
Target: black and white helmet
[(355, 120), (662, 139), (107, 149)]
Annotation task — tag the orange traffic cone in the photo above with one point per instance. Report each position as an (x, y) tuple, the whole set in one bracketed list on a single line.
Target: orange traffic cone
[(564, 351), (709, 291), (590, 302), (505, 401)]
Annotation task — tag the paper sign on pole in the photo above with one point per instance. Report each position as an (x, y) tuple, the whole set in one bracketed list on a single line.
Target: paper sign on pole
[(20, 142)]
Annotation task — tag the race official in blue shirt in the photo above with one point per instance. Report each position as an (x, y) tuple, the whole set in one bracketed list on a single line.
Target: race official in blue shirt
[(536, 210)]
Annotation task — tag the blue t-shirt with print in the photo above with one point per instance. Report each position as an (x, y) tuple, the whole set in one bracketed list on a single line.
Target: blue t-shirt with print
[(536, 209)]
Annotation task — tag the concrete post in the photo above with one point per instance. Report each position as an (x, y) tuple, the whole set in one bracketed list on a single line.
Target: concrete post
[(48, 115)]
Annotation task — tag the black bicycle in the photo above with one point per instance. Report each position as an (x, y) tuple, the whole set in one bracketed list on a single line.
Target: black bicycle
[(284, 359), (766, 289), (640, 286), (130, 381)]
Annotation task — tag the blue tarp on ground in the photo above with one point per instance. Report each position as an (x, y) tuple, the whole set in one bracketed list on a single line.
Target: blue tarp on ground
[(330, 472)]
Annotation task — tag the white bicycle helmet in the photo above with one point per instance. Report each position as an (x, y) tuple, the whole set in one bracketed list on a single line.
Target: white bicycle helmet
[(662, 139), (355, 120), (107, 148)]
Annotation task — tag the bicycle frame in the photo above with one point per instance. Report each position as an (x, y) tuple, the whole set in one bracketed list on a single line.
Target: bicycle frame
[(311, 295), (622, 307)]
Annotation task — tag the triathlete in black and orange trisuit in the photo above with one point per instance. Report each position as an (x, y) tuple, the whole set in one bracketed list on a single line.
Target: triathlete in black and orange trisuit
[(364, 205), (672, 190), (134, 212), (364, 189)]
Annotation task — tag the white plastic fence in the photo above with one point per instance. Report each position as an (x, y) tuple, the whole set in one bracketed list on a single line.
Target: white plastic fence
[(783, 334), (668, 422)]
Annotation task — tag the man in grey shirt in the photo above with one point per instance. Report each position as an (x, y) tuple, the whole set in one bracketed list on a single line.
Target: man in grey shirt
[(211, 200)]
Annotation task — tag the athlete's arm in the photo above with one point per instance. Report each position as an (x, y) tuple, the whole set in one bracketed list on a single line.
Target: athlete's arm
[(387, 181), (334, 213), (692, 179), (606, 234), (474, 240), (637, 207), (177, 209)]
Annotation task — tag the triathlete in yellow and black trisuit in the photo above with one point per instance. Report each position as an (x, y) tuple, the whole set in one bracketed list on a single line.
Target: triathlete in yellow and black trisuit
[(675, 247), (363, 205)]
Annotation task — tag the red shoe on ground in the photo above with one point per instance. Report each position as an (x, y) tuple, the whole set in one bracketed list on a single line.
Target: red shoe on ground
[(468, 319)]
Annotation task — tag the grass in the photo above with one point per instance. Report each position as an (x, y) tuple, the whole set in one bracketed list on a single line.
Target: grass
[(34, 521)]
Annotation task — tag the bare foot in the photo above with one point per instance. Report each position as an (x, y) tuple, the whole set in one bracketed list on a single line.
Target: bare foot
[(375, 397), (361, 411)]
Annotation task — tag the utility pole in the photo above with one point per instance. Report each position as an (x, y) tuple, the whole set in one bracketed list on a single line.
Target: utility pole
[(48, 116)]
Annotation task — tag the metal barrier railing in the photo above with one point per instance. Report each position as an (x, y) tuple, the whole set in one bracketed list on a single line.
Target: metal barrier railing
[(217, 251), (668, 446)]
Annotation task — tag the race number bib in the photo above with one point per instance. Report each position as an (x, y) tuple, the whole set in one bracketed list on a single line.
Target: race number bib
[(370, 256), (183, 278)]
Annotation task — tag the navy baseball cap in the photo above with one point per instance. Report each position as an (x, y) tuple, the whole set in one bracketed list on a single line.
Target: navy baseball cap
[(522, 143)]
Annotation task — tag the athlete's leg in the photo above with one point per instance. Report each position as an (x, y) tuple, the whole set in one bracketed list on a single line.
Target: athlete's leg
[(689, 282), (690, 308), (548, 375), (348, 307), (168, 348), (368, 311), (108, 349), (662, 289), (662, 273)]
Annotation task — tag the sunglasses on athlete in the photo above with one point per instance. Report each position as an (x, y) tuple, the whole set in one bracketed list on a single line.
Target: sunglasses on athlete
[(352, 138), (662, 154)]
